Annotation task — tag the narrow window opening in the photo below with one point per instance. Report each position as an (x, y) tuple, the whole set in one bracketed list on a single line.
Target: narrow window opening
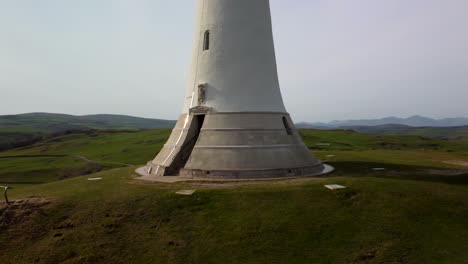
[(286, 126), (206, 40)]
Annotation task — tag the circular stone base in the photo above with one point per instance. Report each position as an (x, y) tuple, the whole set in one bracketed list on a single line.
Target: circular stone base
[(253, 174), (172, 179)]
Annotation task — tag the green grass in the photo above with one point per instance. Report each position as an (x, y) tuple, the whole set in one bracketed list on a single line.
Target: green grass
[(119, 147), (413, 212), (19, 172), (428, 132), (447, 132), (26, 129), (350, 140), (47, 122), (12, 138), (117, 220), (123, 147), (404, 150), (140, 147)]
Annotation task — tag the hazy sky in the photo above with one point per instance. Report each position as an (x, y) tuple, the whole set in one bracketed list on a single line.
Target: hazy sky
[(336, 59)]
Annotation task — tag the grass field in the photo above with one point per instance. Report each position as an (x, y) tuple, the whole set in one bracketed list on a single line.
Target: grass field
[(349, 146), (415, 211), (26, 129), (460, 132), (49, 122), (118, 147), (118, 220), (139, 147)]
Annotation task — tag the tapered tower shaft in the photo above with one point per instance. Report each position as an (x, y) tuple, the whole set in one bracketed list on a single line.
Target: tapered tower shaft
[(234, 55)]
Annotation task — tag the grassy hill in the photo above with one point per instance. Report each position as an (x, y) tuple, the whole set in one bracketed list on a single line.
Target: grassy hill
[(12, 138), (104, 147), (412, 121), (351, 140), (26, 129), (428, 132), (344, 148), (414, 211), (45, 122), (119, 220)]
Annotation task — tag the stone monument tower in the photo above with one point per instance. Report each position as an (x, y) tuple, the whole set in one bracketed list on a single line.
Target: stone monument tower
[(234, 124)]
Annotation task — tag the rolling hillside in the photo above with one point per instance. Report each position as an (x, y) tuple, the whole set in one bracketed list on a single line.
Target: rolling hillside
[(447, 133), (40, 163), (109, 149), (26, 129), (45, 122), (413, 121)]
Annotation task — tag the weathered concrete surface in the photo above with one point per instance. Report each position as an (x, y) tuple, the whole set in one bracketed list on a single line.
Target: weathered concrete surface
[(239, 145), (234, 124), (239, 68), (177, 179)]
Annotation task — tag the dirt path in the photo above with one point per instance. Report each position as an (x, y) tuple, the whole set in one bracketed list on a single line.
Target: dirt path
[(21, 210)]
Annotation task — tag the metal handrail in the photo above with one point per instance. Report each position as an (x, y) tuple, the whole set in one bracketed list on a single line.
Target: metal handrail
[(5, 193)]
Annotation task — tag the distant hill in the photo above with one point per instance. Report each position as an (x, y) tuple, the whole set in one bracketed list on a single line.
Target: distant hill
[(413, 121), (447, 128), (25, 129), (46, 122)]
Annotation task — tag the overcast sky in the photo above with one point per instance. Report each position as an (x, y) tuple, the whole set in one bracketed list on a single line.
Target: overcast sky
[(336, 59)]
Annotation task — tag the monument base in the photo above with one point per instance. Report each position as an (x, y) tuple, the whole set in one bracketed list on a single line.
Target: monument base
[(194, 177), (244, 145)]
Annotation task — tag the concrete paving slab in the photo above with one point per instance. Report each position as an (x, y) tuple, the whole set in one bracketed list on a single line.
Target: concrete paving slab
[(334, 186), (186, 192)]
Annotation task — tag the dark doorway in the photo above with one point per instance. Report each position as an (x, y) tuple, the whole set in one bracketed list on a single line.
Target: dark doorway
[(184, 153), (286, 126)]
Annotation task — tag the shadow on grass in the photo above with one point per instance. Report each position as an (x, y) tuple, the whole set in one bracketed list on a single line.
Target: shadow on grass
[(397, 171)]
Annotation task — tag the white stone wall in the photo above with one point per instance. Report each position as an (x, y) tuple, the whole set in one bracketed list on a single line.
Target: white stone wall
[(239, 69)]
